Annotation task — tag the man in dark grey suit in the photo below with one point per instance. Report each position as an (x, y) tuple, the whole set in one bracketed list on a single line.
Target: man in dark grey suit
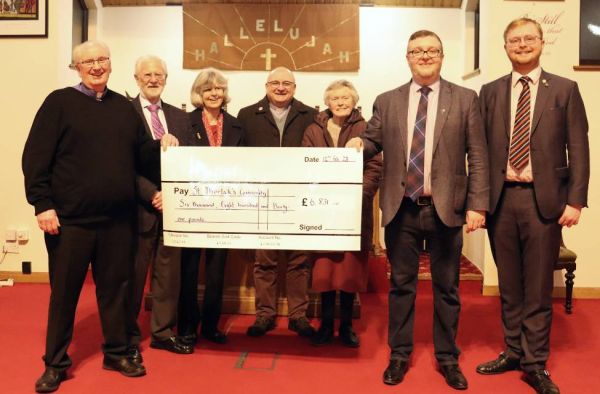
[(427, 128), (160, 118), (536, 128)]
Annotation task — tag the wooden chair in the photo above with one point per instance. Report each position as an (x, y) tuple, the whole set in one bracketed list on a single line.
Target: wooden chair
[(566, 261)]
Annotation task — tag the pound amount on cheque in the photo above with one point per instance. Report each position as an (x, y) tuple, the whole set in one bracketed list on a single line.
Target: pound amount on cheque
[(312, 202)]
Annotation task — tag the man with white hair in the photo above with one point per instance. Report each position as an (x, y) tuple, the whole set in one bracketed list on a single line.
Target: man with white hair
[(80, 161), (159, 119)]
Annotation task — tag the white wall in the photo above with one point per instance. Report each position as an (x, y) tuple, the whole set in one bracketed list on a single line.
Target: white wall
[(384, 33), (31, 68), (559, 58), (134, 31)]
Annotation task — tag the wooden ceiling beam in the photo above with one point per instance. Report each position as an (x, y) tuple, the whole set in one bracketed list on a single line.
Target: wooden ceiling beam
[(388, 3)]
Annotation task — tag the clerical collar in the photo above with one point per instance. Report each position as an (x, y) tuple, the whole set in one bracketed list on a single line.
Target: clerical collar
[(91, 92)]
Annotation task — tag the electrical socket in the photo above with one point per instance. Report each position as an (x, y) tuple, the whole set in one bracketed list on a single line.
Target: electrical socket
[(11, 247), (22, 234), (10, 234)]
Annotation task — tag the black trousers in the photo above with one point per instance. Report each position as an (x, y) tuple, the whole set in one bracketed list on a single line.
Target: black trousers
[(525, 247), (108, 247), (189, 314), (404, 237)]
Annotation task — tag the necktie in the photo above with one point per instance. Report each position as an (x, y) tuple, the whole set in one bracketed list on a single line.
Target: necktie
[(519, 145), (157, 127), (416, 166)]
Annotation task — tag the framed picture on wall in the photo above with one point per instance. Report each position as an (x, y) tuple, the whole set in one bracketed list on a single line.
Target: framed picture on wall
[(589, 33), (23, 18)]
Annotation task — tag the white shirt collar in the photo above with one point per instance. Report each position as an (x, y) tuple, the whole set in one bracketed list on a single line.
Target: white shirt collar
[(414, 87), (145, 103), (535, 75)]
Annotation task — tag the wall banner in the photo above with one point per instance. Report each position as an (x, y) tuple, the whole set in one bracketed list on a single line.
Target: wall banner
[(301, 37)]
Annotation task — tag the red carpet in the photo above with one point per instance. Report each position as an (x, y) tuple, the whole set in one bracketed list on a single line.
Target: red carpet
[(283, 363)]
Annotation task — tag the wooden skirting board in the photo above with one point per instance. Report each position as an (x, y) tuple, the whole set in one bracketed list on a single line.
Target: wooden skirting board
[(558, 292), (34, 277), (240, 301)]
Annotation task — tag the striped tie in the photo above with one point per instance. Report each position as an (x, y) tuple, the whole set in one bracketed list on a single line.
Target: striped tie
[(415, 178), (519, 144), (157, 127)]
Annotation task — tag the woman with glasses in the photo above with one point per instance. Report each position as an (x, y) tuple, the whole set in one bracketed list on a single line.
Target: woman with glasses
[(343, 271), (212, 126)]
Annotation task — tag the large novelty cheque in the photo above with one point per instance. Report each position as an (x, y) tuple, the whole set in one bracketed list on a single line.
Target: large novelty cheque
[(262, 198)]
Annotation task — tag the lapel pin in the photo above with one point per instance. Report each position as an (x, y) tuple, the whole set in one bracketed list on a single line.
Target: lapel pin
[(198, 136), (544, 82), (260, 108)]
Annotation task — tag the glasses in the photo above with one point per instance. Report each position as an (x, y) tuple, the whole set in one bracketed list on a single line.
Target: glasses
[(516, 41), (285, 84), (89, 63), (148, 76), (419, 53)]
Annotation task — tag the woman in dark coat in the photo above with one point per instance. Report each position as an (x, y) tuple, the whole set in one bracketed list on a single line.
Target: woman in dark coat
[(343, 271), (214, 127)]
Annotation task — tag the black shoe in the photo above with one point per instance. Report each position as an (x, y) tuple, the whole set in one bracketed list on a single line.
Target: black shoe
[(189, 339), (323, 336), (215, 336), (302, 327), (500, 365), (173, 345), (454, 376), (50, 380), (395, 371), (134, 354), (125, 366), (348, 337), (260, 327), (541, 382)]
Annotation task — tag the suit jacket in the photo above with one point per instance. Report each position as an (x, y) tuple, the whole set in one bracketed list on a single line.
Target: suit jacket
[(458, 133), (559, 148), (233, 132), (178, 125), (261, 129)]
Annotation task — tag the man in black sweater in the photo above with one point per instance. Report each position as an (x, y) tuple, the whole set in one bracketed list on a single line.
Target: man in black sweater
[(80, 161)]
